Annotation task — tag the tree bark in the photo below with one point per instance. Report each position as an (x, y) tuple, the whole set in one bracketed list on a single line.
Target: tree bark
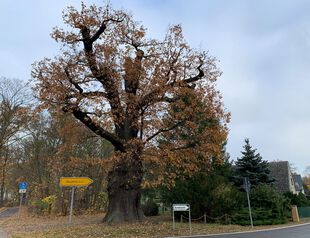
[(124, 190), (6, 157)]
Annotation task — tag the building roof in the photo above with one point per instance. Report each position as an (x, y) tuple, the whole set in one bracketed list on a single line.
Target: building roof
[(280, 171)]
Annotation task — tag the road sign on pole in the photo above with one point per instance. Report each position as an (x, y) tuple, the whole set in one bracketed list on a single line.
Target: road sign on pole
[(22, 189), (74, 182), (182, 208)]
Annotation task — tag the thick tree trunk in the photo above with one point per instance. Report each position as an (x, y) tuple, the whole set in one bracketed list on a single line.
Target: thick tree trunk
[(124, 190), (124, 206)]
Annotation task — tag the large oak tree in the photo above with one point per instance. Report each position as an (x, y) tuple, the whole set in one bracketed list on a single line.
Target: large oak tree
[(134, 92)]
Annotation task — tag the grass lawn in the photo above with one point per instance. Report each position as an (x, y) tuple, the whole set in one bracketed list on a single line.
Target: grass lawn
[(28, 226)]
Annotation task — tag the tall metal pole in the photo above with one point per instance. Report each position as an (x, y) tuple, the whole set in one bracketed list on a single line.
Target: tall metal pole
[(247, 189), (71, 205), (250, 211)]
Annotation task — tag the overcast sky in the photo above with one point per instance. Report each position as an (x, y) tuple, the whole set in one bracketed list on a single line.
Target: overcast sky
[(263, 48)]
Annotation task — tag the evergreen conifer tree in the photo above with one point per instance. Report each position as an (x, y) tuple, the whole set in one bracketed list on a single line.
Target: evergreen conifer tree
[(252, 166)]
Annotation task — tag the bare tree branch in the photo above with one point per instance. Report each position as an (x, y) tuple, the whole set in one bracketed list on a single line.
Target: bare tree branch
[(94, 94), (87, 121), (197, 77), (103, 26), (108, 83), (164, 130), (75, 84)]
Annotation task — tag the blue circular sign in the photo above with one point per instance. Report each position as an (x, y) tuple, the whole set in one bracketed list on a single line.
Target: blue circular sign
[(23, 185)]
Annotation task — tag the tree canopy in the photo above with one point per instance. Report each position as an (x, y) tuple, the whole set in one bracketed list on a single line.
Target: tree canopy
[(134, 91), (14, 116)]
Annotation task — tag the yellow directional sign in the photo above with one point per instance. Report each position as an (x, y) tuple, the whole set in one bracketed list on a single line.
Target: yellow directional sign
[(75, 181)]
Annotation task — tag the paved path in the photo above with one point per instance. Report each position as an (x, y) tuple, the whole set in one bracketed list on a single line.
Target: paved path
[(8, 212), (5, 214), (299, 231)]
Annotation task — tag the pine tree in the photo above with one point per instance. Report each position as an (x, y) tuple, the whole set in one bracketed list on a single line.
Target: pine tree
[(252, 166)]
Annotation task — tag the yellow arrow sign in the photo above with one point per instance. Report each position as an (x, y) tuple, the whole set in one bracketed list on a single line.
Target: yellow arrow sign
[(75, 181)]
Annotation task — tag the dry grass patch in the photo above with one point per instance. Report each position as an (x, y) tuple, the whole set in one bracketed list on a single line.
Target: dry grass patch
[(91, 226)]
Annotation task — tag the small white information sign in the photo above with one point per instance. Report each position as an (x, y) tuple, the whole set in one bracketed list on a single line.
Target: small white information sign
[(181, 207), (22, 190)]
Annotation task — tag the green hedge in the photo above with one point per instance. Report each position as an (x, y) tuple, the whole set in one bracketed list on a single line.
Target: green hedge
[(260, 217), (268, 208)]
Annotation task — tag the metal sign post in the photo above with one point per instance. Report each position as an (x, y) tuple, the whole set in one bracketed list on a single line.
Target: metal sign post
[(22, 189), (20, 204), (247, 187), (182, 208), (74, 182), (173, 219), (190, 221), (71, 205)]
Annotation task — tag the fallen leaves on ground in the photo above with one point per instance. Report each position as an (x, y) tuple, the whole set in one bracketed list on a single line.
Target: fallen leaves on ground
[(27, 226)]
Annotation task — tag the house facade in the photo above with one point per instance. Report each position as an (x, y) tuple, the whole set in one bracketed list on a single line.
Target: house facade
[(298, 183)]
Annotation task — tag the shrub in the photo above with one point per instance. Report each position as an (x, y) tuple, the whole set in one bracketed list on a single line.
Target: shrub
[(103, 201), (260, 217), (226, 199), (43, 206), (207, 193), (51, 202), (38, 207), (299, 200), (268, 207), (150, 208)]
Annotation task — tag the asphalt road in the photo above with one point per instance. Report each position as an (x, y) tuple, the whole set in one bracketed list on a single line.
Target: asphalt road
[(300, 231)]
